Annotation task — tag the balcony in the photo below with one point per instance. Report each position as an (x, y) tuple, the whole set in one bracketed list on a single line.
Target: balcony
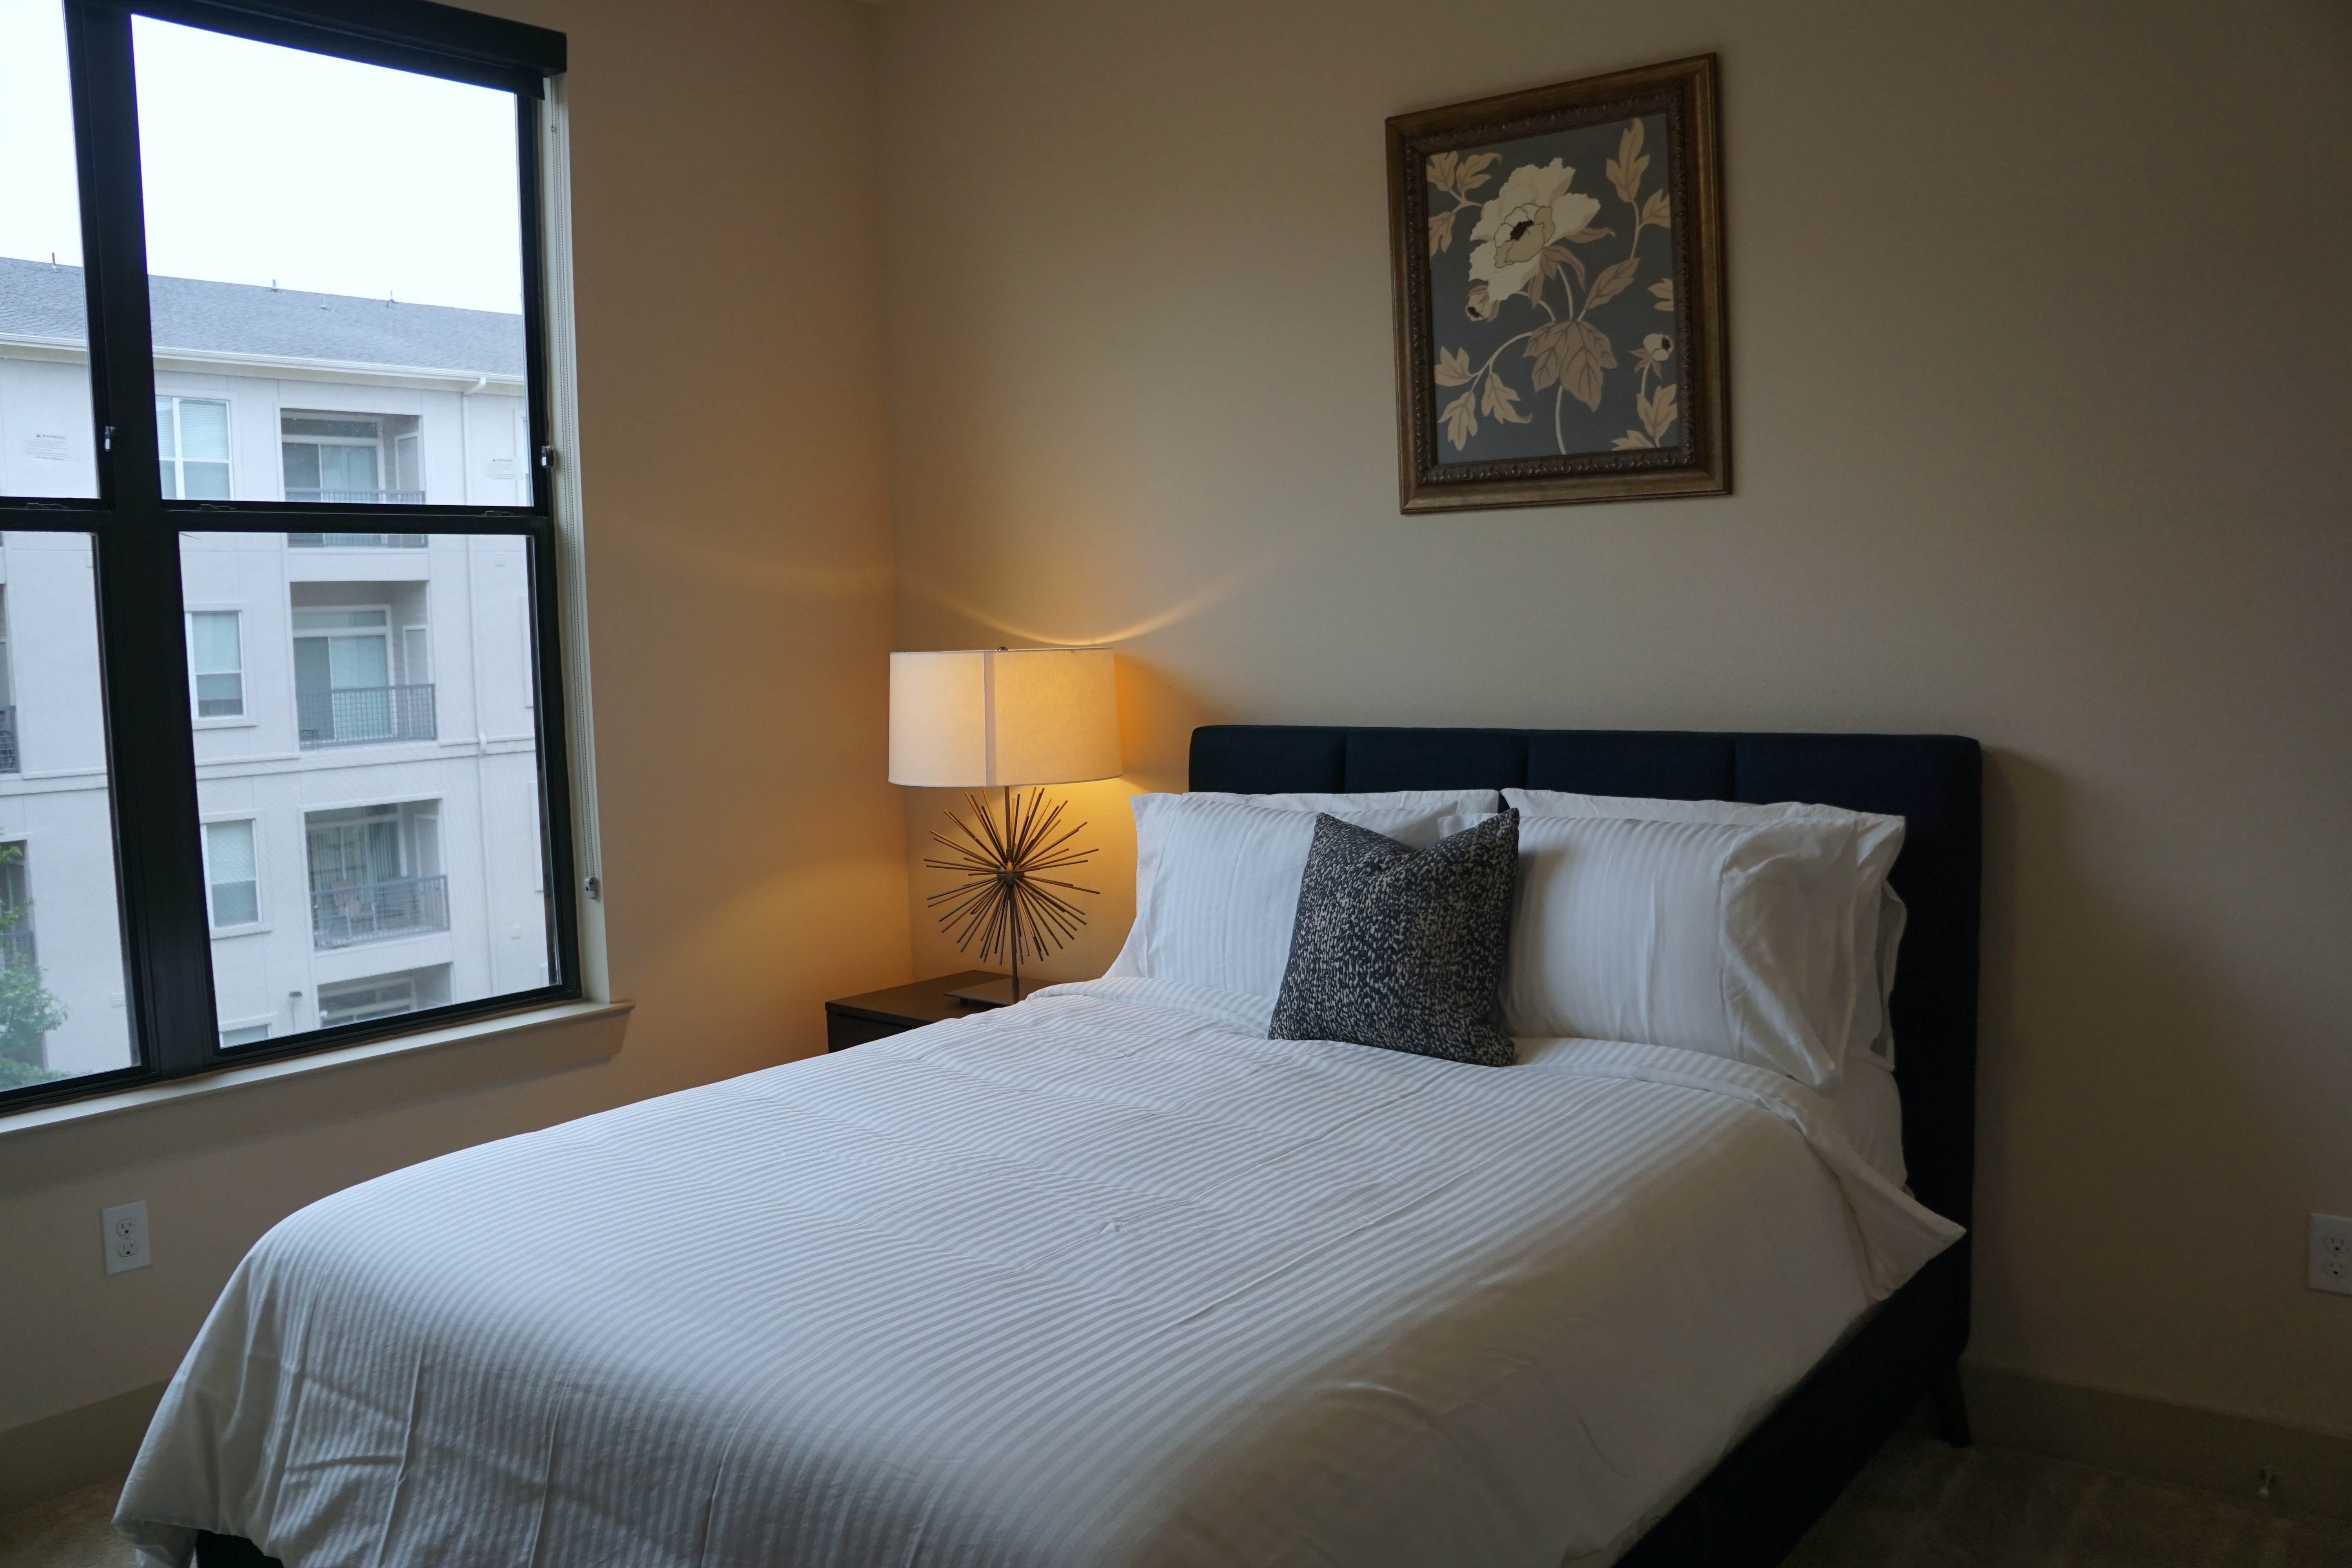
[(378, 912), (360, 498), (355, 541), (8, 763), (364, 716)]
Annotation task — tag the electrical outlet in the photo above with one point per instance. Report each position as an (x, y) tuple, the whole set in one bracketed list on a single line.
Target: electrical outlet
[(126, 1236), (2331, 1253)]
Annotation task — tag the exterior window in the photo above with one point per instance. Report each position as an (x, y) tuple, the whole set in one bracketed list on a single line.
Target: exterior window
[(16, 909), (192, 448), (229, 869), (382, 996), (344, 688), (347, 457), (375, 874), (313, 366), (60, 1015), (355, 541), (217, 663), (8, 763)]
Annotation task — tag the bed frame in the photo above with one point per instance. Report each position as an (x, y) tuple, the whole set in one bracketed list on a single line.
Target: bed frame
[(1754, 1506)]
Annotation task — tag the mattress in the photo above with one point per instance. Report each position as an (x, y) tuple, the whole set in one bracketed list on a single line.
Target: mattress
[(1106, 1278)]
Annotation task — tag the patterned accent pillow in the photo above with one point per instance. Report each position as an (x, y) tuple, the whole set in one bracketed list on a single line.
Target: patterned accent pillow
[(1400, 948)]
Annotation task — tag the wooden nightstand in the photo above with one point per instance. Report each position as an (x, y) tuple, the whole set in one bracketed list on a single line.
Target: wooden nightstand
[(854, 1020)]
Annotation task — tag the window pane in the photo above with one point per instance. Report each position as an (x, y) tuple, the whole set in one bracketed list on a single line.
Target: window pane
[(220, 696), (211, 639), (229, 851), (61, 980), (403, 844), (45, 443), (215, 656), (417, 267), (203, 429)]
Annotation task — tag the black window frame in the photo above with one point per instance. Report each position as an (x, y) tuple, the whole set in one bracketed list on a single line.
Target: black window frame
[(135, 533)]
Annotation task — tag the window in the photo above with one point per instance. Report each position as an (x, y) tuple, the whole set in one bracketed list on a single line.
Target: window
[(28, 1011), (47, 435), (343, 457), (15, 908), (7, 696), (375, 874), (382, 996), (288, 454), (229, 871), (192, 448), (345, 686), (62, 1014), (355, 541), (216, 661)]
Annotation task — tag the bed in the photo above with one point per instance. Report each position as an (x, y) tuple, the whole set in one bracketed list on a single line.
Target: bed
[(1112, 1277)]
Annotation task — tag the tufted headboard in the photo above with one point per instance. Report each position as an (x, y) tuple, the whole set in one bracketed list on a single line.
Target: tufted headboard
[(1934, 782)]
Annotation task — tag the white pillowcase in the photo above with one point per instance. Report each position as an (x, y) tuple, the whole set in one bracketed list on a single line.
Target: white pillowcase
[(1216, 876), (1878, 914), (1706, 926)]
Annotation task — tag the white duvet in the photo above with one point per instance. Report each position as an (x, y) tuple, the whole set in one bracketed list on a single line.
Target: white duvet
[(1108, 1278)]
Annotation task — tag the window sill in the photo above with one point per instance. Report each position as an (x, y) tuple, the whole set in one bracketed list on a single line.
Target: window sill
[(83, 1137)]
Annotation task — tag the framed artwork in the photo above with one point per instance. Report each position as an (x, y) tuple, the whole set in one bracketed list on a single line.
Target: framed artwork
[(1559, 284)]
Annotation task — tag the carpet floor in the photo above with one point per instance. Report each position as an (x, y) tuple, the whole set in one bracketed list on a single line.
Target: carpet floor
[(1920, 1504)]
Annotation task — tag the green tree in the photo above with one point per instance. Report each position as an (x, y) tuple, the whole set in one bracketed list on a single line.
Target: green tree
[(28, 1008)]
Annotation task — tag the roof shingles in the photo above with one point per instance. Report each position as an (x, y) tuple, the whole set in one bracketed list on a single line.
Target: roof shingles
[(38, 300)]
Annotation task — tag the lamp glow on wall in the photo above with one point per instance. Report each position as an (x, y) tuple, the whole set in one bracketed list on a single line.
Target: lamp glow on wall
[(1005, 719)]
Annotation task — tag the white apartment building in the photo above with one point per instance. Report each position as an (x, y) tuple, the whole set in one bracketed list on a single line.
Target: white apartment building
[(361, 702)]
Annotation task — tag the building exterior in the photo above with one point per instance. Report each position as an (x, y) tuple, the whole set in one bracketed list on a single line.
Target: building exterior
[(361, 702)]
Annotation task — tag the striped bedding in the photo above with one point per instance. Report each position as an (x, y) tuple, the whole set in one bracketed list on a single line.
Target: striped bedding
[(1108, 1278)]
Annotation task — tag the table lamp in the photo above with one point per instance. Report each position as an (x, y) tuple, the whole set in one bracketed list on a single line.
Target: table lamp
[(1005, 719)]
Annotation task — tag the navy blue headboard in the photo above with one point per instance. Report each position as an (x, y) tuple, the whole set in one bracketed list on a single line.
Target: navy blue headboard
[(1934, 782)]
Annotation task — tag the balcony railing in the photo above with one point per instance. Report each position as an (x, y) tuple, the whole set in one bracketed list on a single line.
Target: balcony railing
[(357, 541), (364, 715), (363, 498), (8, 763), (378, 912)]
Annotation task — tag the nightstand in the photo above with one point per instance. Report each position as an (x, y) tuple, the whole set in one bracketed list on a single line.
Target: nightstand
[(854, 1020)]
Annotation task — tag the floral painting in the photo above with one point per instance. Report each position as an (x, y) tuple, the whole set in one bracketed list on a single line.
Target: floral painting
[(1546, 340), (1561, 283)]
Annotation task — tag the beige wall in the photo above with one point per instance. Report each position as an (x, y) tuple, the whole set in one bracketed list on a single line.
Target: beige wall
[(2038, 318), (739, 576)]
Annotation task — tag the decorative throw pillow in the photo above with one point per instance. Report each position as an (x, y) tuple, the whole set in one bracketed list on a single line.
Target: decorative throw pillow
[(1401, 948)]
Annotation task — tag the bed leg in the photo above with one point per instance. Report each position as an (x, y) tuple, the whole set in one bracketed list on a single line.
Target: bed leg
[(1951, 1409)]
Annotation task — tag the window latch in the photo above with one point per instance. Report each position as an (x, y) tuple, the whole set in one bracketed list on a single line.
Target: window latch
[(593, 888), (105, 441), (547, 457)]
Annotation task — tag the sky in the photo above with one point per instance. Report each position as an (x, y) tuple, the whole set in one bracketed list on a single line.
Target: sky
[(267, 165)]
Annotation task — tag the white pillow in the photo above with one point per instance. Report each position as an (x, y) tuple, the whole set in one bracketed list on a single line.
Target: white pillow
[(1878, 915), (1216, 876)]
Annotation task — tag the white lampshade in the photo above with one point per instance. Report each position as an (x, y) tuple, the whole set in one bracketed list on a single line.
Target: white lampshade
[(1000, 716)]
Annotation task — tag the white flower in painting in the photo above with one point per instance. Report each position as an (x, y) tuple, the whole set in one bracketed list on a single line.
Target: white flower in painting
[(1534, 207)]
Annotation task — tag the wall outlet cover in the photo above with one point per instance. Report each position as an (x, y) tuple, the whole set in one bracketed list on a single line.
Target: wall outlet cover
[(125, 1226), (2331, 1253)]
